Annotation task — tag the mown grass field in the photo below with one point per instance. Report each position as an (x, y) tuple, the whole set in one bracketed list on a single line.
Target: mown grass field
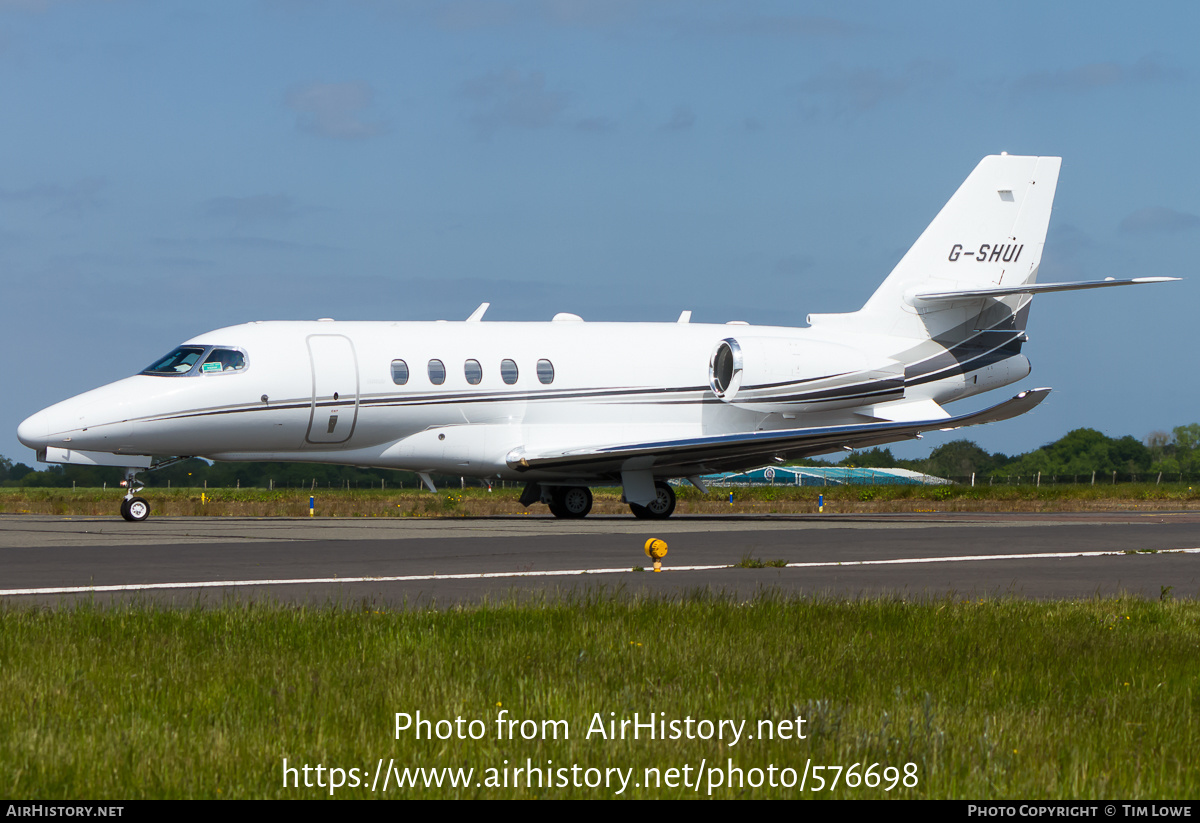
[(987, 699), (478, 502)]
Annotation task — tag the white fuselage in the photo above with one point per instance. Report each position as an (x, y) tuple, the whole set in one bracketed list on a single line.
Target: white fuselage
[(325, 391)]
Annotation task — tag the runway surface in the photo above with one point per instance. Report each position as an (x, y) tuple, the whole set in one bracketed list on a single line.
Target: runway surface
[(400, 562)]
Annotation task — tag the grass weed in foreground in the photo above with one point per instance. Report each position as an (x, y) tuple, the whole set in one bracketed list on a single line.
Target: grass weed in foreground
[(478, 502), (990, 699)]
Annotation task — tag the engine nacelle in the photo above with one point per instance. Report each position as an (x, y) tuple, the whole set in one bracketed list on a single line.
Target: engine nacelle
[(781, 374)]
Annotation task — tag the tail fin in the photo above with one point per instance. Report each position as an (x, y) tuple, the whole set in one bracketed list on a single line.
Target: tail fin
[(990, 234)]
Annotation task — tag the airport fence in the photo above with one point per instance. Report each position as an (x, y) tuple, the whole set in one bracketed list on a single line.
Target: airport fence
[(787, 476), (1099, 478)]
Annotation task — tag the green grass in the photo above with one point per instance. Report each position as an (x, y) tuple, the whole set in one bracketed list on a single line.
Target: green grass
[(750, 562), (989, 699), (478, 502)]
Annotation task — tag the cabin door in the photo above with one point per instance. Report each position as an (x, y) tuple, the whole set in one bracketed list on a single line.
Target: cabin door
[(334, 389)]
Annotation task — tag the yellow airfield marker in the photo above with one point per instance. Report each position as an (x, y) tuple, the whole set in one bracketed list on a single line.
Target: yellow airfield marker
[(656, 550)]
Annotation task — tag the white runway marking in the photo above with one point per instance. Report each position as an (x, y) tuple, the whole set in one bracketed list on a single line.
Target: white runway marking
[(221, 584)]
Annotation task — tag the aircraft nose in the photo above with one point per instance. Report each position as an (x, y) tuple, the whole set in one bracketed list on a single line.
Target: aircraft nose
[(34, 431)]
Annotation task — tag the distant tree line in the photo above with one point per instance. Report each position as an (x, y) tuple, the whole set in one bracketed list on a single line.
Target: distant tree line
[(1079, 454)]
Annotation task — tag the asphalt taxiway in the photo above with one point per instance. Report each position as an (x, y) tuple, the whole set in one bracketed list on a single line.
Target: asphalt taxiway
[(405, 562)]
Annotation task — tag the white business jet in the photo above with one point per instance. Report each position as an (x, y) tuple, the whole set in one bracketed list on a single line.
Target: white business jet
[(565, 405)]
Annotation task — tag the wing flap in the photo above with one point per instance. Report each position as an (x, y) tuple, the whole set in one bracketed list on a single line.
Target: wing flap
[(748, 449)]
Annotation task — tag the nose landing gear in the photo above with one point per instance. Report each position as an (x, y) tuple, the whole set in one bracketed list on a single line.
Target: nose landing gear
[(133, 508)]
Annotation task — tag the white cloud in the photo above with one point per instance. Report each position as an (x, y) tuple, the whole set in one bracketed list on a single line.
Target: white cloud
[(682, 119), (74, 200), (334, 110), (786, 26), (1092, 76), (511, 99), (842, 90), (1159, 219), (594, 125), (258, 208)]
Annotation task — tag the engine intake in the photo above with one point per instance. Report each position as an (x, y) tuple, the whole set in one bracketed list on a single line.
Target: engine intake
[(786, 374), (725, 369)]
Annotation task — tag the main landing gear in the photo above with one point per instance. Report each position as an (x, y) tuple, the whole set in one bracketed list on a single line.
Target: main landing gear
[(576, 501), (133, 508), (660, 508), (570, 501)]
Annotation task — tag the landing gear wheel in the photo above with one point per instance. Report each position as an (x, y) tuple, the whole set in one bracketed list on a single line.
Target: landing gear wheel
[(660, 508), (135, 509), (571, 502)]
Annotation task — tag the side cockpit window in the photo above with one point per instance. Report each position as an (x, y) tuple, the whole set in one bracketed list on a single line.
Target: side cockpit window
[(177, 362), (222, 361)]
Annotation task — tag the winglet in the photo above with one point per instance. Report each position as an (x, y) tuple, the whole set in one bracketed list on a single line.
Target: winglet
[(1007, 410)]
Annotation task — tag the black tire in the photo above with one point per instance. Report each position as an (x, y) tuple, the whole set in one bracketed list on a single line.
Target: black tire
[(572, 502), (661, 508), (135, 509)]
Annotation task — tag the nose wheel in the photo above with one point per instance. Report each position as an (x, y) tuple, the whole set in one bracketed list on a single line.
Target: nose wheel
[(135, 509)]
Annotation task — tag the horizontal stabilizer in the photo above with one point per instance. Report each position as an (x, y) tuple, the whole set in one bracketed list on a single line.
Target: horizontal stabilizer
[(921, 298), (750, 449)]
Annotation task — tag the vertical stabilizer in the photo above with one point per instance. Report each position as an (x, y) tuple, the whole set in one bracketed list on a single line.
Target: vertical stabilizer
[(989, 234)]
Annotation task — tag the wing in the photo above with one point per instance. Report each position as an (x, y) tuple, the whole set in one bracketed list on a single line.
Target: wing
[(746, 450)]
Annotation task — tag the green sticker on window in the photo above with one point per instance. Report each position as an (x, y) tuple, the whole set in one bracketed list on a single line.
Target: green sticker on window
[(211, 367)]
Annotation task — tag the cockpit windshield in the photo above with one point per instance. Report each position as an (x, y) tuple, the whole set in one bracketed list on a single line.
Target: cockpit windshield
[(179, 361), (211, 360)]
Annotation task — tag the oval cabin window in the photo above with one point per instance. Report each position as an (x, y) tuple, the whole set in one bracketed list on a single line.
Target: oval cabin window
[(399, 372), (474, 372), (508, 371), (437, 372)]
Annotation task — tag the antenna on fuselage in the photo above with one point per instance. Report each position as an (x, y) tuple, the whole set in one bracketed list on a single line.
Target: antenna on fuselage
[(477, 315)]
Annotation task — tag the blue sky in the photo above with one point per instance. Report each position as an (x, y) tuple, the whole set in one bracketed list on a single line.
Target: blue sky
[(172, 167)]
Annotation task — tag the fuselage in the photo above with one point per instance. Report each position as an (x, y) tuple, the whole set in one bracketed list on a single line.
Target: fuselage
[(462, 397)]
